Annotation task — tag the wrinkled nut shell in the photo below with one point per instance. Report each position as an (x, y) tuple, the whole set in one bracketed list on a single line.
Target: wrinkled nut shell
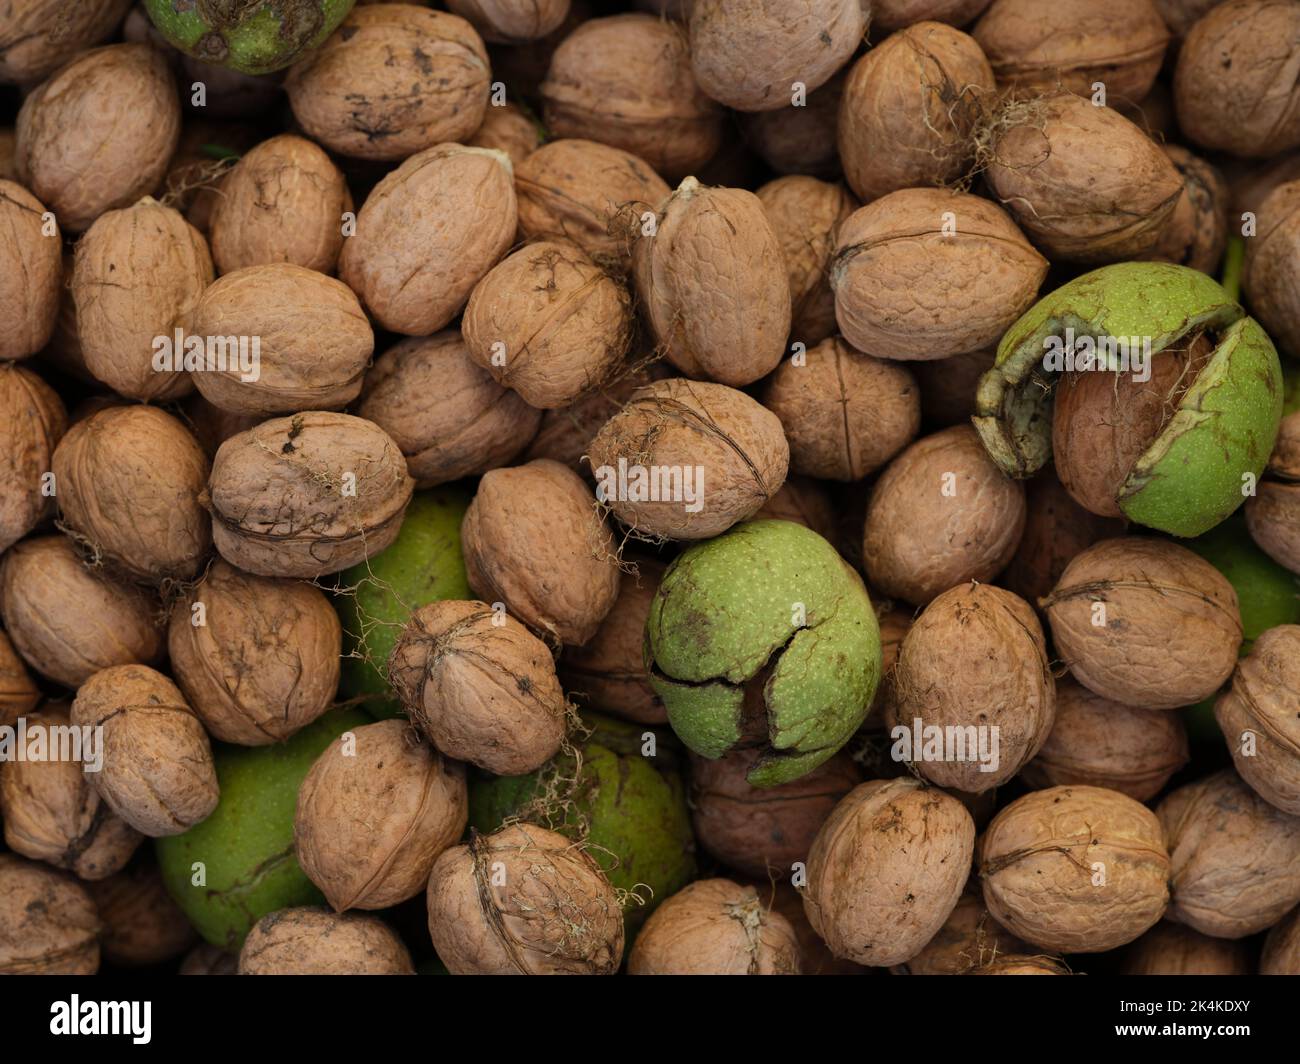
[(508, 129), (142, 925), (969, 939), (309, 941), (566, 433), (1281, 949), (799, 140), (32, 421), (375, 811), (48, 923), (31, 273), (18, 691), (1075, 869), (511, 22), (1272, 278), (1196, 233), (39, 35), (890, 15), (1171, 949)]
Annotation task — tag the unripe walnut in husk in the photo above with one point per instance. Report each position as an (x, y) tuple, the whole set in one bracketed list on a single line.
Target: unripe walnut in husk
[(523, 901), (712, 279), (512, 22), (799, 140), (890, 15), (715, 927), (1272, 278), (886, 870), (805, 215), (31, 273), (48, 923), (428, 233), (626, 80), (762, 832), (753, 56), (940, 515), (313, 341), (511, 129), (1083, 181), (18, 691), (1196, 233), (731, 448), (549, 324), (311, 941), (1235, 85), (927, 273), (68, 621), (374, 813), (974, 671), (128, 481), (32, 421), (283, 202), (138, 276), (480, 686), (141, 924), (1100, 743), (1259, 719), (1075, 869), (1171, 949), (52, 813), (969, 939), (392, 80), (534, 539), (911, 107), (1273, 514), (37, 36), (1038, 46), (1145, 622), (1282, 948), (445, 412), (99, 133), (157, 771), (257, 658), (1236, 859), (845, 414), (307, 495), (590, 194)]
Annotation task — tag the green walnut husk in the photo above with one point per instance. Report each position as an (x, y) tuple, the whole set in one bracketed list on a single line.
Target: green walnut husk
[(376, 597), (246, 846), (630, 809), (1191, 476), (766, 636), (251, 36)]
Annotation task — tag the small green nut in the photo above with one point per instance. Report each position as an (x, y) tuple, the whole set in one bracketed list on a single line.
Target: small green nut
[(1199, 467), (251, 36), (229, 871), (765, 637), (375, 598), (627, 801)]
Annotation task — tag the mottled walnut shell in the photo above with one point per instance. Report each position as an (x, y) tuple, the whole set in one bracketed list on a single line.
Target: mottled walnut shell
[(523, 901), (928, 273), (8, 146), (428, 233), (1272, 277), (1171, 949), (213, 426), (1018, 964), (1273, 513), (1075, 869), (448, 415), (129, 480), (315, 341), (510, 129), (715, 927), (142, 926), (48, 923), (1236, 859), (307, 495), (69, 621), (693, 426), (799, 140), (1196, 233), (626, 80), (750, 54), (940, 515), (205, 959), (18, 691), (139, 274), (1084, 182), (911, 106), (31, 274), (311, 941), (815, 958), (37, 36), (566, 433), (32, 421), (1145, 622), (99, 133), (375, 811), (1281, 949), (534, 539), (511, 22), (392, 80), (886, 870), (51, 812), (969, 939), (157, 773), (283, 202), (890, 15), (805, 502), (263, 663)]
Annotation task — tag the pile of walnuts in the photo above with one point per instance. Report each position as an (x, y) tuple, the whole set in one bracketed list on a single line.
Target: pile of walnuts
[(429, 357)]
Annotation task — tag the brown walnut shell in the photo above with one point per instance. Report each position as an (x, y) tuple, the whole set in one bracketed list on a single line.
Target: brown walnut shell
[(1273, 513), (1281, 949), (19, 694), (142, 926), (31, 273), (890, 15), (1172, 949), (1272, 277), (512, 22), (311, 941), (805, 502), (969, 939), (1196, 233), (38, 36), (799, 140), (566, 433), (205, 959), (32, 421), (510, 129), (48, 922)]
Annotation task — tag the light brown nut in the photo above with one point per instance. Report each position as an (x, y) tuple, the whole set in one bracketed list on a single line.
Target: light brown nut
[(32, 421), (512, 21), (1171, 949), (311, 941), (545, 909), (157, 772), (1281, 948), (805, 502), (799, 140), (142, 925), (886, 870), (18, 691), (1181, 15), (970, 939), (31, 273), (566, 433), (307, 495), (428, 233), (511, 129), (1196, 233), (48, 923), (1145, 622), (1273, 513), (1075, 869), (205, 959), (1271, 278), (392, 80), (375, 811), (37, 36), (99, 133), (890, 15)]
